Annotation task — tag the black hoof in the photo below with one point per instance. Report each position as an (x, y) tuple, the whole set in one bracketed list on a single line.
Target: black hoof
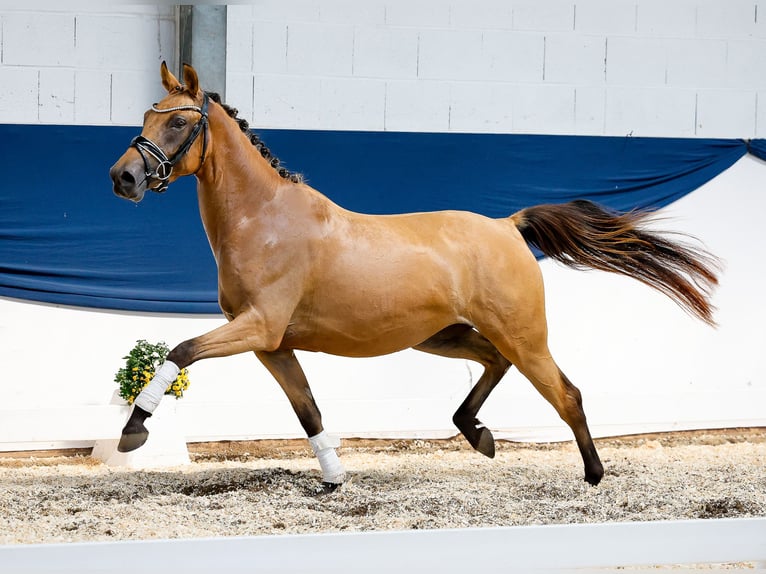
[(134, 434), (131, 441), (478, 436), (327, 488), (485, 443), (594, 477)]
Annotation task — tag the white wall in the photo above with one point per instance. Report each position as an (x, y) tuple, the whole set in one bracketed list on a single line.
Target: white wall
[(689, 68), (684, 68), (604, 67)]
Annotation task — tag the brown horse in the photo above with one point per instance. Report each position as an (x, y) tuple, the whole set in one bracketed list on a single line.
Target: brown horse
[(296, 271)]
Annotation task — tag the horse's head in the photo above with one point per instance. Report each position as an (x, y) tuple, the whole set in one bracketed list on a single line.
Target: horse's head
[(169, 145)]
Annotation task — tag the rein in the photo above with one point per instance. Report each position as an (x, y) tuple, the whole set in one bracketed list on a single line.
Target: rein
[(165, 164)]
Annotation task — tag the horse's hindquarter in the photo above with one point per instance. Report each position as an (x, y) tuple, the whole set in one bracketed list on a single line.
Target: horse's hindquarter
[(385, 283)]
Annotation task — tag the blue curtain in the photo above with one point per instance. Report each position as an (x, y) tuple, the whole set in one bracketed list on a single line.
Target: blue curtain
[(66, 239)]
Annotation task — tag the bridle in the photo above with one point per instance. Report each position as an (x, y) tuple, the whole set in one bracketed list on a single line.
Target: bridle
[(165, 164)]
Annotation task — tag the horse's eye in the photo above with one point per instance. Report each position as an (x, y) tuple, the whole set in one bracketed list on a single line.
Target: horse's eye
[(178, 122)]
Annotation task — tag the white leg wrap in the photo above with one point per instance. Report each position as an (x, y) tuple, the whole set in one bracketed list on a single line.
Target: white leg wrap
[(324, 446), (150, 397)]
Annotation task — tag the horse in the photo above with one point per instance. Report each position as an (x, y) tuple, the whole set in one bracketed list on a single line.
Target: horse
[(298, 272)]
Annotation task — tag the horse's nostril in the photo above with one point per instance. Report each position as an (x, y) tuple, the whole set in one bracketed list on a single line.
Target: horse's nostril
[(127, 177)]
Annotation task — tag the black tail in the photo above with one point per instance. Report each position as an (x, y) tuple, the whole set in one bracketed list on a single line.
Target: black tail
[(581, 234)]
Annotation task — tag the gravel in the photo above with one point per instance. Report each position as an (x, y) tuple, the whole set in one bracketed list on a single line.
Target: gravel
[(273, 487)]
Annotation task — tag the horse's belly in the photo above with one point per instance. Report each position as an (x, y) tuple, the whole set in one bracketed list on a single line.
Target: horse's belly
[(346, 347), (353, 338)]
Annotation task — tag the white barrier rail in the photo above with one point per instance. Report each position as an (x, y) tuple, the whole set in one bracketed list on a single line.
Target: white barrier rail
[(557, 548)]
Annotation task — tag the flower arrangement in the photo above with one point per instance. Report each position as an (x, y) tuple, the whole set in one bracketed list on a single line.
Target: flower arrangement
[(140, 365)]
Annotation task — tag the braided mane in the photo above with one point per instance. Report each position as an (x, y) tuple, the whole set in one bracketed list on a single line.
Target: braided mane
[(256, 141)]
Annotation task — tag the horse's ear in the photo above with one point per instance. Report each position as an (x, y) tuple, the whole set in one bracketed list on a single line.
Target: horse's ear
[(169, 81), (191, 80)]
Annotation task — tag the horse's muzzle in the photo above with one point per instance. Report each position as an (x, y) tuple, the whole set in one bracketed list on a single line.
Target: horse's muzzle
[(128, 181)]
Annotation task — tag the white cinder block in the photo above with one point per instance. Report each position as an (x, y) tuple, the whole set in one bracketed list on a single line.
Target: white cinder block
[(269, 47), (676, 19), (18, 97), (477, 107), (281, 101), (632, 61), (352, 104), (759, 29), (726, 114), (450, 54), (384, 52), (575, 59), (38, 39), (167, 42), (760, 114), (92, 97), (239, 93), (611, 17), (543, 109), (239, 45), (548, 16), (417, 105), (651, 112), (421, 14), (89, 7), (133, 92), (56, 96), (696, 63), (481, 15), (590, 104), (350, 12), (318, 49), (117, 42), (511, 56), (745, 63), (726, 19), (240, 12), (281, 11)]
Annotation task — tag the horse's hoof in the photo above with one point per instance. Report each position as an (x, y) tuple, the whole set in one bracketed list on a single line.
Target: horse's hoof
[(477, 435), (594, 477), (485, 443), (132, 441), (327, 488)]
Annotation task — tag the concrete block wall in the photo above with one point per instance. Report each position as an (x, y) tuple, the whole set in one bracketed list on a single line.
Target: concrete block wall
[(686, 68), (91, 64)]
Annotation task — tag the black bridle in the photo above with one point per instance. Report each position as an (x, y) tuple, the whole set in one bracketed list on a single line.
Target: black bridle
[(165, 164)]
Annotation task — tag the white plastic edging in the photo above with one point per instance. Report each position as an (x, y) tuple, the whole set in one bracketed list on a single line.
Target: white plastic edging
[(510, 549)]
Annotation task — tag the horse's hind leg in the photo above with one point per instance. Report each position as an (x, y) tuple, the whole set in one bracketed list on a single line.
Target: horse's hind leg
[(567, 400), (463, 342), (539, 367), (285, 368)]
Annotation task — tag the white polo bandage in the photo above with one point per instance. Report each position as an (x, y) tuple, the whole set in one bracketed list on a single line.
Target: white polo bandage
[(150, 397), (324, 447)]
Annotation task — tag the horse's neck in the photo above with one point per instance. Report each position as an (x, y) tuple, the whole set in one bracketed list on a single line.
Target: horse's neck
[(235, 181)]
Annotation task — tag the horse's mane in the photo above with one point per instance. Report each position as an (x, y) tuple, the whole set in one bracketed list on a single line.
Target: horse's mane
[(256, 141)]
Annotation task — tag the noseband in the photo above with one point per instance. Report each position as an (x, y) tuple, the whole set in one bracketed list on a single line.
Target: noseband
[(165, 164)]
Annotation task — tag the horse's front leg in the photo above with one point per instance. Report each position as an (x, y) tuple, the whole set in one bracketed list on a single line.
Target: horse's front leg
[(246, 332), (285, 368)]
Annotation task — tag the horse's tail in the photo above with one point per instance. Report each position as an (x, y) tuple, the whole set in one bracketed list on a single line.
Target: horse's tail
[(583, 235)]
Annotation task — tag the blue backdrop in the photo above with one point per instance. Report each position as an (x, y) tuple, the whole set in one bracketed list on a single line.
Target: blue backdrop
[(65, 238)]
